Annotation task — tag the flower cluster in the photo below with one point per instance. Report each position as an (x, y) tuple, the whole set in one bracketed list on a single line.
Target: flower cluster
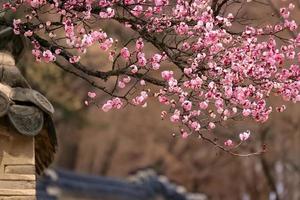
[(206, 73)]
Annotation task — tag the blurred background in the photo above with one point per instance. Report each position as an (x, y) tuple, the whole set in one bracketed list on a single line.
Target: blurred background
[(117, 144)]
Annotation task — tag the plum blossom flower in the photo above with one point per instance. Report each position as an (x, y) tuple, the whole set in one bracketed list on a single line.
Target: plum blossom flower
[(106, 44), (187, 105), (48, 56), (125, 53), (155, 61), (142, 82), (141, 99), (129, 2), (176, 116), (74, 59), (167, 75), (195, 125), (137, 10), (182, 28), (126, 79), (92, 94), (184, 135), (228, 143), (244, 135), (35, 3), (163, 99), (246, 112), (117, 103), (110, 104), (134, 69), (16, 24), (160, 2), (203, 105), (57, 51), (121, 84), (281, 108), (219, 75), (141, 59), (139, 45), (107, 106), (211, 125)]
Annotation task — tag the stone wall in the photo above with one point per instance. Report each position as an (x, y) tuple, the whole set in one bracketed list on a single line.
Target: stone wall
[(17, 164)]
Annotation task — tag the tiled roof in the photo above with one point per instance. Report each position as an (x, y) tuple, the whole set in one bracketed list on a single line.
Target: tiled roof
[(145, 185)]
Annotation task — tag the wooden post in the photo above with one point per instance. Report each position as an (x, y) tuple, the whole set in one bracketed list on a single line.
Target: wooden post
[(27, 133), (17, 158), (17, 164)]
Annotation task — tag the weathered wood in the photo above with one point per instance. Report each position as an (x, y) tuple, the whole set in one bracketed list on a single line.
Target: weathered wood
[(17, 174), (18, 197), (19, 169), (17, 192), (19, 184)]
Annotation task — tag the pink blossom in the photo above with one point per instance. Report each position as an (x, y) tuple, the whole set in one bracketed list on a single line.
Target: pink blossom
[(92, 94), (163, 99), (134, 69), (106, 44), (35, 3), (211, 125), (121, 84), (281, 108), (129, 2), (57, 51), (48, 23), (188, 71), (137, 10), (117, 103), (167, 75), (219, 75), (37, 54), (161, 2), (176, 116), (142, 82), (126, 79), (155, 61), (195, 125), (203, 105), (291, 6), (48, 56), (246, 112), (184, 135), (187, 105), (228, 143), (141, 59), (16, 24), (109, 13), (139, 45), (141, 99), (244, 135), (74, 59), (125, 53), (107, 106), (182, 28), (110, 104)]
